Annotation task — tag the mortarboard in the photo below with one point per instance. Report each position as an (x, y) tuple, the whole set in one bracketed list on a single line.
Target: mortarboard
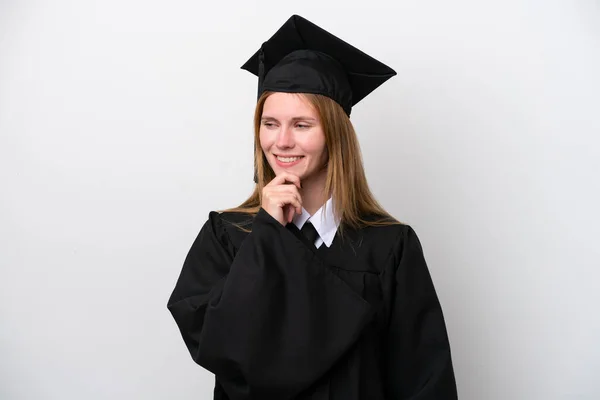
[(304, 58)]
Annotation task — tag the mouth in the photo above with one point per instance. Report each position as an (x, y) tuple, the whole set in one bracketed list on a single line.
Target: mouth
[(290, 159)]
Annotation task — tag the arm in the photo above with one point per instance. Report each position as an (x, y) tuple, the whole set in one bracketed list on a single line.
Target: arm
[(418, 360), (275, 322)]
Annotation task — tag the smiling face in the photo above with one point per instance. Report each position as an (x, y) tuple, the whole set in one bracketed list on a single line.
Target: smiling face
[(292, 137)]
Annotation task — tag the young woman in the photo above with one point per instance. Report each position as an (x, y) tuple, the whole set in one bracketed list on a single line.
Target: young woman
[(309, 289)]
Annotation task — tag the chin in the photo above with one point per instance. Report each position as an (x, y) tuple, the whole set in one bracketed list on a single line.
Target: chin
[(279, 171)]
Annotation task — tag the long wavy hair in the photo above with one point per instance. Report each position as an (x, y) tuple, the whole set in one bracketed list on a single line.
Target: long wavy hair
[(354, 204)]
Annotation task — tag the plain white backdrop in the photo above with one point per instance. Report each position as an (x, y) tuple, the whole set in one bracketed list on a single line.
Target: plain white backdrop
[(123, 123)]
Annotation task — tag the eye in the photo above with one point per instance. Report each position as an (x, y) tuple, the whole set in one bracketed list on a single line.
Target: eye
[(302, 126), (269, 125)]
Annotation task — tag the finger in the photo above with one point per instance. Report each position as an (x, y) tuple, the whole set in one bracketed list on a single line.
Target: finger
[(283, 190), (290, 213), (284, 177), (291, 189), (286, 199), (280, 200)]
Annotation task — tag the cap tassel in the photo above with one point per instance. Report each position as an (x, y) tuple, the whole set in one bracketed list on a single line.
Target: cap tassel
[(261, 79), (261, 69)]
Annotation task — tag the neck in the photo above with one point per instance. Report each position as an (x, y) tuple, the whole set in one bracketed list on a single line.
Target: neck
[(312, 192)]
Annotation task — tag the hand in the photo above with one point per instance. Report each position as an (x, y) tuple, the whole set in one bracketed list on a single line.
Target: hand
[(281, 198)]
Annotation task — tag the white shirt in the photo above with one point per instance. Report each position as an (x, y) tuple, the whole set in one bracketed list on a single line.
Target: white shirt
[(324, 222)]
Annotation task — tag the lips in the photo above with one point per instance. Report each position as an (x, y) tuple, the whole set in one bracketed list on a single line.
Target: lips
[(287, 161)]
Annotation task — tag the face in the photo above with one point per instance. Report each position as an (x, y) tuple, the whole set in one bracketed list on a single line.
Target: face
[(292, 137)]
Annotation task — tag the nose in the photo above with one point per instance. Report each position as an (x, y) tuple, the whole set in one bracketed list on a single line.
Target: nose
[(285, 139)]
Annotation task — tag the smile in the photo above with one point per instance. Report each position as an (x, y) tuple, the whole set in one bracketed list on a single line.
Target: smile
[(288, 162), (288, 159)]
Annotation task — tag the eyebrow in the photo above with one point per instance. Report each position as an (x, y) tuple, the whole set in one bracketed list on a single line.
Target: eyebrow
[(268, 118)]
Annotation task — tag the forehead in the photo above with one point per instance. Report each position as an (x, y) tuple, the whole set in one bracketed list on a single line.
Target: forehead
[(288, 105)]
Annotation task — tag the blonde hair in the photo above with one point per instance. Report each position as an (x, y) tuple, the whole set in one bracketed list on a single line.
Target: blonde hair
[(354, 204)]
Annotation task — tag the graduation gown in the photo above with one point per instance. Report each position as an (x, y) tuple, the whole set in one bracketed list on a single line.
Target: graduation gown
[(273, 317)]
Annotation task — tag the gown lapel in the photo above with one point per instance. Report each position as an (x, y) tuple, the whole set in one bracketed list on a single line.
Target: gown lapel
[(341, 251)]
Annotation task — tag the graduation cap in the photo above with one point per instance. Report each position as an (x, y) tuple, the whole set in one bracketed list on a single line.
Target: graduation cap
[(304, 58)]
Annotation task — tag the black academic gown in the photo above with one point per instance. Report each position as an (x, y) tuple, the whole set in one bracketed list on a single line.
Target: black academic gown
[(275, 318)]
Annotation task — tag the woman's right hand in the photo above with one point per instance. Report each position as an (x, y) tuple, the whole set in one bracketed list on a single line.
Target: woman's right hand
[(281, 197)]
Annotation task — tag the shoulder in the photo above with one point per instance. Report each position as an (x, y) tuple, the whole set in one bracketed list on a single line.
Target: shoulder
[(393, 238), (230, 218), (230, 226), (402, 232), (391, 233), (385, 225), (407, 244)]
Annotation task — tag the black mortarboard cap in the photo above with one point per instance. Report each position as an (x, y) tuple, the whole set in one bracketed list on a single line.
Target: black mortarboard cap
[(304, 58)]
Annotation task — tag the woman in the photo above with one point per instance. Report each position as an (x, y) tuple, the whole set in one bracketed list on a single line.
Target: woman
[(309, 289)]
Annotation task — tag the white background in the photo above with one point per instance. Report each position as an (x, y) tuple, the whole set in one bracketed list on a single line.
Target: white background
[(123, 123)]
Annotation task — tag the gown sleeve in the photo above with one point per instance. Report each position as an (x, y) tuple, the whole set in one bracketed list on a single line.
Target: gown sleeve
[(269, 320), (418, 359)]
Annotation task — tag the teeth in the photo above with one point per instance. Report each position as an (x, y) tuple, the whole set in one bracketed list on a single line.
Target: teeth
[(288, 159)]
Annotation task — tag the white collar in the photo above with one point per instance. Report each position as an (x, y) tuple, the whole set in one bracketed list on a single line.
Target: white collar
[(323, 220)]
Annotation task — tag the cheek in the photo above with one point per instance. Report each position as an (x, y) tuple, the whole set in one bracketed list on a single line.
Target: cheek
[(265, 140), (316, 145)]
